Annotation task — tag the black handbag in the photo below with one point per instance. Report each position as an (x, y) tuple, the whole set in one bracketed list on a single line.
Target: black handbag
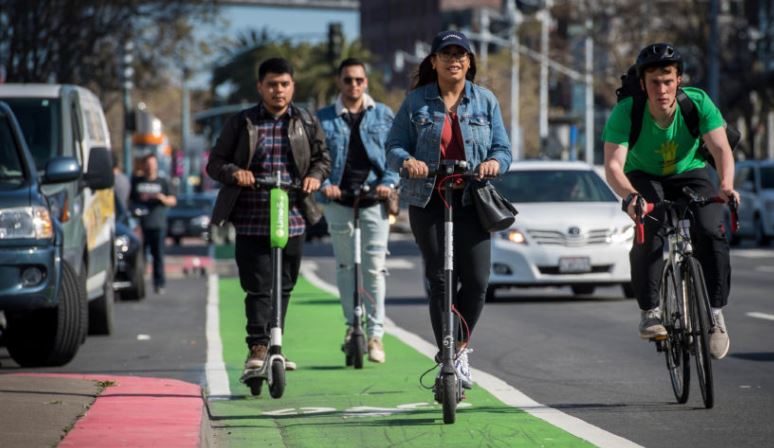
[(495, 213)]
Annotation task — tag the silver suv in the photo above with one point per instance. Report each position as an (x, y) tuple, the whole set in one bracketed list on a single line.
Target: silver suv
[(754, 180)]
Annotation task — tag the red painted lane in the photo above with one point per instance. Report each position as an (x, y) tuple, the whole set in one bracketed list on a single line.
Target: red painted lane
[(139, 412)]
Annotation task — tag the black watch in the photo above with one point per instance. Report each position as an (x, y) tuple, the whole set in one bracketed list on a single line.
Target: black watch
[(627, 201)]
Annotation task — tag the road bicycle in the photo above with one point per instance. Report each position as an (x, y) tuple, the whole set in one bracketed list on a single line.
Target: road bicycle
[(683, 298)]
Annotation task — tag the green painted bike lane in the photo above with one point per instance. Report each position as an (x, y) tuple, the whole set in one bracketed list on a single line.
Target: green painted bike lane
[(329, 405)]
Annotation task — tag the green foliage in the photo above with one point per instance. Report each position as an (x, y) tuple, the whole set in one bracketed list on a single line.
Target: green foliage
[(314, 72)]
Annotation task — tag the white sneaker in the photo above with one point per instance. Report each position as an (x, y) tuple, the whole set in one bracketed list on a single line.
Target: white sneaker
[(719, 343), (376, 350), (462, 367), (650, 324)]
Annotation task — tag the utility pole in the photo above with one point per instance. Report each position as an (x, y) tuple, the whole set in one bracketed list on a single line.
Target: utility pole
[(515, 18), (484, 22), (127, 73), (545, 21)]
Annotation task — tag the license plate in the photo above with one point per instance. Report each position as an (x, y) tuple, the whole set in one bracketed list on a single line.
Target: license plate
[(178, 227), (570, 265)]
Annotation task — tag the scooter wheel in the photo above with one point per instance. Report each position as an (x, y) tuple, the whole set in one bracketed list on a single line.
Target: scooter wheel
[(277, 385), (255, 385), (357, 349), (348, 359), (450, 398)]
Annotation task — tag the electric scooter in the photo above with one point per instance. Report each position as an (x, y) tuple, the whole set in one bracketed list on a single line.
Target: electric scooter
[(355, 348), (273, 369), (448, 388)]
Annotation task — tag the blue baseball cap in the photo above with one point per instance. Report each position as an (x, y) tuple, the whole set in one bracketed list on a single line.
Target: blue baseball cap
[(447, 38)]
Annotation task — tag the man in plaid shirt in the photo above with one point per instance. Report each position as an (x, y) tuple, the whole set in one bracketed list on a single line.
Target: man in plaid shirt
[(272, 137)]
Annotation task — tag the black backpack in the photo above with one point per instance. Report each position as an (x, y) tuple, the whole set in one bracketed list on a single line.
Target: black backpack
[(630, 87)]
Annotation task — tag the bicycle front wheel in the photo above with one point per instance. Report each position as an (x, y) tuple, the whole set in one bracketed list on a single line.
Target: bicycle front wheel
[(698, 301), (676, 353)]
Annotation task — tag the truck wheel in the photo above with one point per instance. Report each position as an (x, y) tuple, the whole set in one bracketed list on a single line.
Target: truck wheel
[(51, 336), (101, 308)]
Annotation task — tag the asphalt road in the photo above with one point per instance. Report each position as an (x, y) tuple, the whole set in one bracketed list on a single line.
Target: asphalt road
[(160, 336), (584, 356)]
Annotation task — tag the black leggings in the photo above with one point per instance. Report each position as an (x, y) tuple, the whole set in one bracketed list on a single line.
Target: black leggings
[(253, 258), (708, 236), (472, 259)]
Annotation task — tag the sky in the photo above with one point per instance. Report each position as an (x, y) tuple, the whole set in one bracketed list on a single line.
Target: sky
[(298, 24)]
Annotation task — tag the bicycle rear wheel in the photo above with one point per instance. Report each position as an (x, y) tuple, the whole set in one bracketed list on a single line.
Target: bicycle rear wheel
[(676, 353), (698, 301)]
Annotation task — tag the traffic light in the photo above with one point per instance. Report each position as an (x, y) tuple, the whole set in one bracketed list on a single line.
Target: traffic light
[(127, 71), (335, 42)]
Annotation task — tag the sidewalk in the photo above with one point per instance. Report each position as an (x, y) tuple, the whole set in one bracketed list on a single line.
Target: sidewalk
[(44, 410)]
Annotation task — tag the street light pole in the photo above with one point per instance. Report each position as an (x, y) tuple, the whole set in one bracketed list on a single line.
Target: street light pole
[(185, 131), (589, 132), (545, 19)]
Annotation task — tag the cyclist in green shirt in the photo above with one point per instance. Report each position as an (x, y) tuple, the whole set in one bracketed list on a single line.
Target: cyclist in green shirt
[(662, 161)]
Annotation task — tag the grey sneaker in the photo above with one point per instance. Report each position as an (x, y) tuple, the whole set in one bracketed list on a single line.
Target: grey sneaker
[(256, 356), (347, 337), (718, 338), (462, 367), (650, 324)]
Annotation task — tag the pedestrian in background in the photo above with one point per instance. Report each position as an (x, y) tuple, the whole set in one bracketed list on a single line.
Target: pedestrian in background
[(273, 136), (122, 186), (151, 197), (356, 128)]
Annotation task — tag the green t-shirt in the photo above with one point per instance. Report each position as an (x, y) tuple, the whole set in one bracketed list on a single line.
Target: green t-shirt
[(663, 151)]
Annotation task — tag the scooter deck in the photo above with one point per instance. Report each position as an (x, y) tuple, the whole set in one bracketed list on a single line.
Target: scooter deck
[(249, 374)]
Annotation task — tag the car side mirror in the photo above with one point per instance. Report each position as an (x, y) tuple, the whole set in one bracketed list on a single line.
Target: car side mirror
[(62, 169), (100, 170)]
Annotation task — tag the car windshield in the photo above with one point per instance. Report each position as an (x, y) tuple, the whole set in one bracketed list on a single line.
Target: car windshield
[(767, 178), (11, 172), (40, 123), (524, 186)]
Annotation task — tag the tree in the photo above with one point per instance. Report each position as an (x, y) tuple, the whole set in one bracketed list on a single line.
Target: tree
[(314, 71), (78, 41)]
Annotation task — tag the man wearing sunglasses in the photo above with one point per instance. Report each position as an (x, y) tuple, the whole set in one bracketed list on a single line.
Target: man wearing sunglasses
[(356, 128)]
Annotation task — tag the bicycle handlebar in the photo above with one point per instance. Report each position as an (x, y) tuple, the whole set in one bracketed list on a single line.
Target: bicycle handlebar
[(642, 208)]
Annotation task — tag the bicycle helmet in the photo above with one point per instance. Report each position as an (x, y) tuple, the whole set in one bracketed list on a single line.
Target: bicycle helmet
[(657, 55)]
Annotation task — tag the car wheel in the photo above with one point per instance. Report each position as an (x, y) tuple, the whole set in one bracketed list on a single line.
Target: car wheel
[(760, 233), (101, 308), (628, 290), (51, 336), (583, 290), (490, 293)]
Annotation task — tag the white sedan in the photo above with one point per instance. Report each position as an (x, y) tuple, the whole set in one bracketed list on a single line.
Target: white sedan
[(570, 230)]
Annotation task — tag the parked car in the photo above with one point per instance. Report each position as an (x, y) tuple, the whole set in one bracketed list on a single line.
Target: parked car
[(570, 230), (191, 217), (67, 120), (129, 280), (754, 180), (41, 294)]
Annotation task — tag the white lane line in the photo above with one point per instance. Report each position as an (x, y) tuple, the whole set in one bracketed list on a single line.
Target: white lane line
[(495, 386), (764, 268), (217, 378), (758, 315), (754, 253)]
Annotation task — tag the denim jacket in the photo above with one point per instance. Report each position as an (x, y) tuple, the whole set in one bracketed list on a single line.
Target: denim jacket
[(373, 132), (416, 132)]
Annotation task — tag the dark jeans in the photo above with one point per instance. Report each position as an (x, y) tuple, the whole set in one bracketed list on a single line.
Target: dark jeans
[(253, 258), (708, 236), (153, 239), (472, 259)]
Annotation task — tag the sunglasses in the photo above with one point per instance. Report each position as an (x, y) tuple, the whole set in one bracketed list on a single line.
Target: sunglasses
[(349, 80), (449, 56)]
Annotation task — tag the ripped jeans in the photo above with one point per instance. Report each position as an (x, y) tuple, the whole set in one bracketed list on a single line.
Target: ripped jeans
[(374, 231)]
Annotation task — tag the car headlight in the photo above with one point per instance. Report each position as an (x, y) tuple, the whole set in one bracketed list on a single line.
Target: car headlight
[(514, 236), (26, 222), (201, 221), (122, 243), (622, 234)]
